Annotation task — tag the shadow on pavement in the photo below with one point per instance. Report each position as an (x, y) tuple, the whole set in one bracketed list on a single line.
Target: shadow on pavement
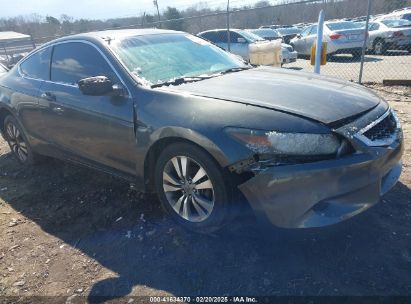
[(348, 58), (81, 207)]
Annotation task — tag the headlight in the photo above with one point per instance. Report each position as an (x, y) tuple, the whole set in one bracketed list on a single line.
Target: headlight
[(272, 142)]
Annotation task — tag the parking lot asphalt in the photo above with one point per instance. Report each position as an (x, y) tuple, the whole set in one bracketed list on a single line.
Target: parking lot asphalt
[(71, 231), (397, 65)]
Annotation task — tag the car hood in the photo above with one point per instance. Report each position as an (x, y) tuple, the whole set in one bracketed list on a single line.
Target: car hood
[(324, 99)]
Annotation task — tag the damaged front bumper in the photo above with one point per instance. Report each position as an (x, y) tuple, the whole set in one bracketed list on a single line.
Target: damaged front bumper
[(326, 192)]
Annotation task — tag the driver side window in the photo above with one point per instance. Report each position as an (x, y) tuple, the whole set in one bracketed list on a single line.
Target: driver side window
[(73, 61)]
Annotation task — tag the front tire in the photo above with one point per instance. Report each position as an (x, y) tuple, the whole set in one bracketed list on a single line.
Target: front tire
[(380, 47), (18, 143), (192, 189)]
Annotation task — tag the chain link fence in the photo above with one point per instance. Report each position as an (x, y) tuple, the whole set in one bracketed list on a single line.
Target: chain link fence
[(387, 48)]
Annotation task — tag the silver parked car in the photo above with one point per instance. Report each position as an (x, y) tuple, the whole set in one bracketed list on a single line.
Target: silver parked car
[(404, 13), (240, 41), (343, 37), (389, 34)]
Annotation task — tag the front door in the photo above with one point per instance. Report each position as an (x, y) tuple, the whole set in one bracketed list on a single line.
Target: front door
[(97, 128)]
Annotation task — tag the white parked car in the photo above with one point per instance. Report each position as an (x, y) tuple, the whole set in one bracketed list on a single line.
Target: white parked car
[(389, 34), (288, 53), (343, 37), (404, 13)]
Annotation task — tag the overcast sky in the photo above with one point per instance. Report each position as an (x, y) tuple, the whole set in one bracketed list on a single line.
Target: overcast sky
[(98, 9)]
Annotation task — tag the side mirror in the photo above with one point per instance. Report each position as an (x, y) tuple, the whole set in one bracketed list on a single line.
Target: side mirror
[(298, 36), (241, 40), (99, 86)]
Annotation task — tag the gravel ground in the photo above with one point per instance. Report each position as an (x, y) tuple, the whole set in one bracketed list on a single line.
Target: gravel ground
[(69, 231), (376, 68)]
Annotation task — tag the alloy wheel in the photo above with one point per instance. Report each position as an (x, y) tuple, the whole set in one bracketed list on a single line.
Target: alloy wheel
[(378, 48), (17, 142), (188, 189)]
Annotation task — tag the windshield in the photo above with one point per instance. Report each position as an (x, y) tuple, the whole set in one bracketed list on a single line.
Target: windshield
[(347, 25), (266, 33), (396, 22), (289, 31), (161, 58)]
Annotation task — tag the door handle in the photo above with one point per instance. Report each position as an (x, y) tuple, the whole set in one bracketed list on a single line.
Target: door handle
[(48, 96), (58, 110)]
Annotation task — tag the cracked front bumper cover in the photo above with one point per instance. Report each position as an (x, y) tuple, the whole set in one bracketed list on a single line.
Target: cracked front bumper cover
[(326, 192)]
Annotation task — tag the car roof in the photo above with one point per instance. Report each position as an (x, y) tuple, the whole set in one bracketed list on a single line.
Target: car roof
[(218, 30), (114, 34)]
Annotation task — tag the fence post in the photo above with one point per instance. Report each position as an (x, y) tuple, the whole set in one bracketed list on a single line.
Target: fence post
[(228, 27), (158, 13), (143, 19), (364, 47), (7, 56), (32, 41), (318, 48)]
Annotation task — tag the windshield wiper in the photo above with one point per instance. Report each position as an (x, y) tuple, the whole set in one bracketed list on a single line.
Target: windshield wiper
[(180, 80), (238, 69)]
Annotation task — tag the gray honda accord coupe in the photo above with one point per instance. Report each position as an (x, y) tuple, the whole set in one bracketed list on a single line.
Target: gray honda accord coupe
[(207, 132)]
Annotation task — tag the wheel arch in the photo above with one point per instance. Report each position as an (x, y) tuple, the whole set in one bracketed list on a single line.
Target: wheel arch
[(171, 136), (4, 112), (376, 39)]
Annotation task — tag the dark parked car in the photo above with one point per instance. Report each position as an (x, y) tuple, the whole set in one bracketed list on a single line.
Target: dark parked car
[(289, 33), (267, 33), (178, 116)]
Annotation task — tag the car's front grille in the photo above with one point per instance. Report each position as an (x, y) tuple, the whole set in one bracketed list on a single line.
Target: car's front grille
[(385, 129)]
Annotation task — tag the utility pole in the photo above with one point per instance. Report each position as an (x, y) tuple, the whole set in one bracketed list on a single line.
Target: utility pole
[(364, 47), (319, 44), (158, 12), (143, 19), (228, 27)]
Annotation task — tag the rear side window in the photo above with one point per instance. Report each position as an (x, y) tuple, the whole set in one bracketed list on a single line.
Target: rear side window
[(306, 31), (406, 17), (374, 27), (234, 37), (75, 60), (314, 30), (210, 36), (38, 65), (221, 36)]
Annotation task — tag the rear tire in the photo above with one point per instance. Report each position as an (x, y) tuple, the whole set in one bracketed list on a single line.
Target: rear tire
[(18, 143), (192, 189)]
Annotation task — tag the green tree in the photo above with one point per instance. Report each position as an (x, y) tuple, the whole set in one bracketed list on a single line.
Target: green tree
[(52, 20), (149, 19), (262, 3), (66, 24), (172, 13)]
